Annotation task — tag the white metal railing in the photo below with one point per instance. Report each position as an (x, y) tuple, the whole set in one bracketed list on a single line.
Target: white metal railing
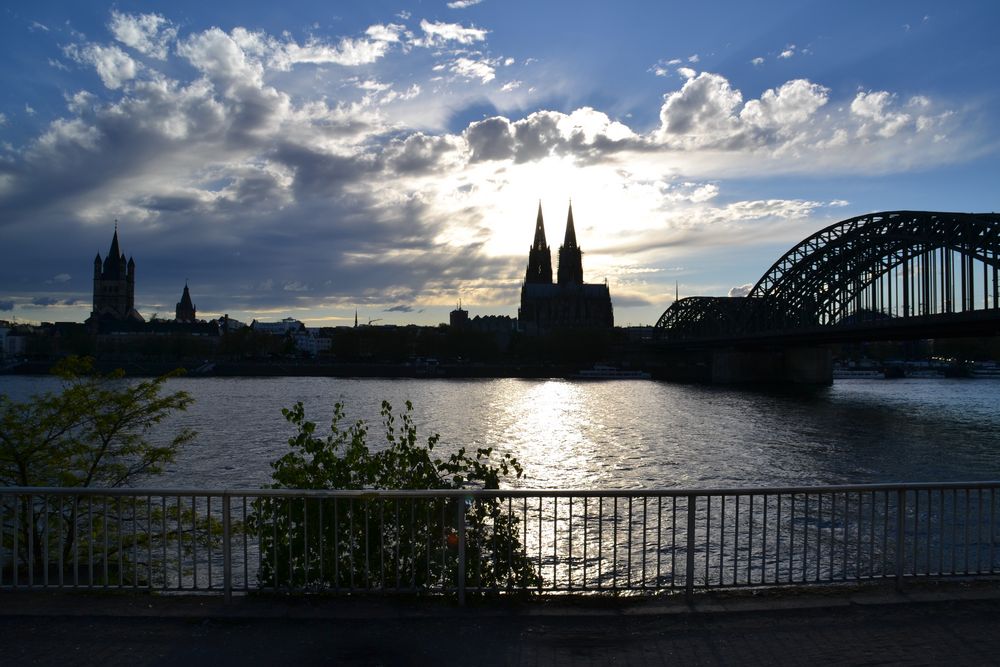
[(481, 541)]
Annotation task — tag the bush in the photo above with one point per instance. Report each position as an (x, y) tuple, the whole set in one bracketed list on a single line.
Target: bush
[(370, 542)]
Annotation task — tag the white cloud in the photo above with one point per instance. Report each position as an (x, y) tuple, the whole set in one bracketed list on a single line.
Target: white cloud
[(877, 115), (686, 72), (30, 110), (788, 52), (741, 291), (510, 85), (3, 119), (149, 34), (507, 62), (440, 33), (794, 102), (757, 62), (694, 59), (474, 69), (463, 4), (114, 66)]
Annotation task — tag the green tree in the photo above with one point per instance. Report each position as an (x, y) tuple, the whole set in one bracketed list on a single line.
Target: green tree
[(94, 432), (378, 543)]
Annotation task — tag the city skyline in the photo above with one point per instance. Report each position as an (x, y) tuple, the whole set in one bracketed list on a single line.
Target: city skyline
[(390, 158)]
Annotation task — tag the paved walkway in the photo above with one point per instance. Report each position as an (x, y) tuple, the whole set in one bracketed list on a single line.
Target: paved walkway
[(955, 626)]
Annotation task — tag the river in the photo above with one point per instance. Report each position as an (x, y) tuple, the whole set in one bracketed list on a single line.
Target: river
[(612, 434)]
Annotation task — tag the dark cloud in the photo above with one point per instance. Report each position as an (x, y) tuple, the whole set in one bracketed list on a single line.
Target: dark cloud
[(6, 306), (44, 301), (490, 139), (401, 308)]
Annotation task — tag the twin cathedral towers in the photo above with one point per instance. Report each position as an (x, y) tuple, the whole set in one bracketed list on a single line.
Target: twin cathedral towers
[(569, 303)]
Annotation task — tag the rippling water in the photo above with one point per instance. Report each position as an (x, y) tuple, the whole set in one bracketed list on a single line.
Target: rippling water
[(614, 434)]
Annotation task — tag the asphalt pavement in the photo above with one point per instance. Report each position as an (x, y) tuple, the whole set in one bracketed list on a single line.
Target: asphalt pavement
[(957, 624)]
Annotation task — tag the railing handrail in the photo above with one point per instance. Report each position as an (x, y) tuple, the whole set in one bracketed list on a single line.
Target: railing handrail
[(493, 493)]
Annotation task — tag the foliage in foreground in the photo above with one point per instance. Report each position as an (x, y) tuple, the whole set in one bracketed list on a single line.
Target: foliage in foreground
[(376, 543), (94, 432)]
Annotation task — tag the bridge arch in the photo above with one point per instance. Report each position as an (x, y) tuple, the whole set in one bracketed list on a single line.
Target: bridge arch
[(893, 264)]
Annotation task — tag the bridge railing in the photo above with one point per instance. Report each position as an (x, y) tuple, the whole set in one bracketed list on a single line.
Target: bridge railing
[(476, 541)]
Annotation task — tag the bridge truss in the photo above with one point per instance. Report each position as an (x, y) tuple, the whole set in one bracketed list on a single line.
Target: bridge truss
[(881, 271)]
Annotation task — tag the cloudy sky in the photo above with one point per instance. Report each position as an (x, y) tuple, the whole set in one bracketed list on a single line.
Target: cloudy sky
[(308, 159)]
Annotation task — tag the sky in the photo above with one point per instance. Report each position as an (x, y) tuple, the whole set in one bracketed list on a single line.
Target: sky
[(313, 159)]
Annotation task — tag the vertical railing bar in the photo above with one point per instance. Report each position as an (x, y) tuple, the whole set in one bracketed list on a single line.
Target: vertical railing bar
[(121, 544), (673, 544), (614, 544), (847, 534), (107, 549), (916, 530), (871, 537), (90, 541), (736, 540), (569, 559), (927, 530), (180, 539), (659, 538), (62, 539), (555, 541), (941, 530), (30, 527), (885, 534), (993, 514), (585, 522), (305, 542), (194, 541), (722, 539), (805, 538), (857, 561), (979, 531), (45, 541), (965, 523), (750, 540), (149, 542), (227, 549), (900, 537), (322, 546), (381, 544), (245, 539), (541, 570), (954, 531), (763, 542), (470, 506), (777, 541), (397, 564), (135, 547), (368, 521), (645, 522), (628, 547), (460, 521), (708, 537), (273, 502), (689, 571), (15, 525), (819, 535), (600, 542), (791, 537), (336, 546)]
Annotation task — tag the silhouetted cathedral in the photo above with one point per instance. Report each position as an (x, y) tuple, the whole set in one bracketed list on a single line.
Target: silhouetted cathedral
[(569, 303), (114, 286), (185, 311)]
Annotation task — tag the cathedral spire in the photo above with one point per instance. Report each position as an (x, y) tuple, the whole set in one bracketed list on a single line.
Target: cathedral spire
[(539, 256), (570, 240), (570, 255), (539, 243)]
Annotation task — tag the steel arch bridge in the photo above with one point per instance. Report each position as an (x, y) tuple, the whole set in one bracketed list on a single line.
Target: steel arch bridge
[(907, 273)]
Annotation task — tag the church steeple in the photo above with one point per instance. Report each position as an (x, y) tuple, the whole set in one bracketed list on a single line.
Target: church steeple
[(570, 255), (539, 255), (185, 311)]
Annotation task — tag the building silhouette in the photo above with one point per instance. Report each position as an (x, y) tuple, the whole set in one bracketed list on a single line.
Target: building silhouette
[(114, 286), (569, 303), (185, 311)]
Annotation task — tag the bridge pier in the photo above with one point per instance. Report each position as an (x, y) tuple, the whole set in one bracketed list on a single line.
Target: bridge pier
[(793, 365)]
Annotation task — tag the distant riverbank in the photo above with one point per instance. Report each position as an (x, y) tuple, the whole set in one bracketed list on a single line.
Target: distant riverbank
[(307, 368)]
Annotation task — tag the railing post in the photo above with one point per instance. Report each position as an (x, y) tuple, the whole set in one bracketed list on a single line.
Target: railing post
[(689, 573), (900, 536), (460, 526), (227, 550)]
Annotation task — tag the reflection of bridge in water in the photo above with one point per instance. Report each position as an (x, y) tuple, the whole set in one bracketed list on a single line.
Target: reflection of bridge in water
[(895, 275)]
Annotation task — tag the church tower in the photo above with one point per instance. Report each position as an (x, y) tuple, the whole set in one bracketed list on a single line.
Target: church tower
[(539, 255), (185, 311), (114, 285), (570, 255)]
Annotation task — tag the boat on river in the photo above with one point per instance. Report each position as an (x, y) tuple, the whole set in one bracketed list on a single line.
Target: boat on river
[(604, 372)]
